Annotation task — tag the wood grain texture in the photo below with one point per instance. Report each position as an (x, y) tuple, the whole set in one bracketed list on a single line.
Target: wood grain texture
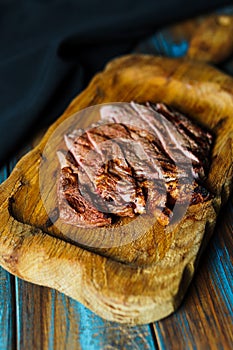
[(204, 321), (7, 301), (205, 38), (212, 40), (51, 320), (124, 293), (7, 317)]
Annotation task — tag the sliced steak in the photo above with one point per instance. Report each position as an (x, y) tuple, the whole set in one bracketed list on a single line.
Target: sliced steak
[(139, 158), (197, 140), (167, 136), (74, 208), (103, 162)]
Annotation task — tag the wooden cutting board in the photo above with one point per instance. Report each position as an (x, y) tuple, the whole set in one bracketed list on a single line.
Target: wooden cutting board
[(145, 279)]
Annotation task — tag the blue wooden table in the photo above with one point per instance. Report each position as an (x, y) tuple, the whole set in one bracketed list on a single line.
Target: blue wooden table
[(34, 317)]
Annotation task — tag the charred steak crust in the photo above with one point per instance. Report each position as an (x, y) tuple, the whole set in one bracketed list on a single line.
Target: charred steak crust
[(117, 169), (74, 208)]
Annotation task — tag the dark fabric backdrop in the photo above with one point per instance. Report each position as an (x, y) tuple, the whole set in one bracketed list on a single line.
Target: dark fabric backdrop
[(51, 48)]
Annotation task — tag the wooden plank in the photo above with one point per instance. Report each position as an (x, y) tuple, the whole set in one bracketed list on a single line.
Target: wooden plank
[(194, 38), (204, 321), (7, 329), (41, 324), (111, 335), (48, 319), (7, 324)]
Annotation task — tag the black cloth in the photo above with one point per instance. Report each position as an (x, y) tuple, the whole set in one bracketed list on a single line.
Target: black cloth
[(51, 48)]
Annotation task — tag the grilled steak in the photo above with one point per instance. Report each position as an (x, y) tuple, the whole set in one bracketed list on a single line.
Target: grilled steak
[(196, 140), (74, 208), (107, 169), (139, 158)]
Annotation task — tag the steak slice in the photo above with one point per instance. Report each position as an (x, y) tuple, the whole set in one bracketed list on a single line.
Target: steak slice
[(147, 119), (197, 140), (167, 137), (154, 161), (74, 208), (102, 160)]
